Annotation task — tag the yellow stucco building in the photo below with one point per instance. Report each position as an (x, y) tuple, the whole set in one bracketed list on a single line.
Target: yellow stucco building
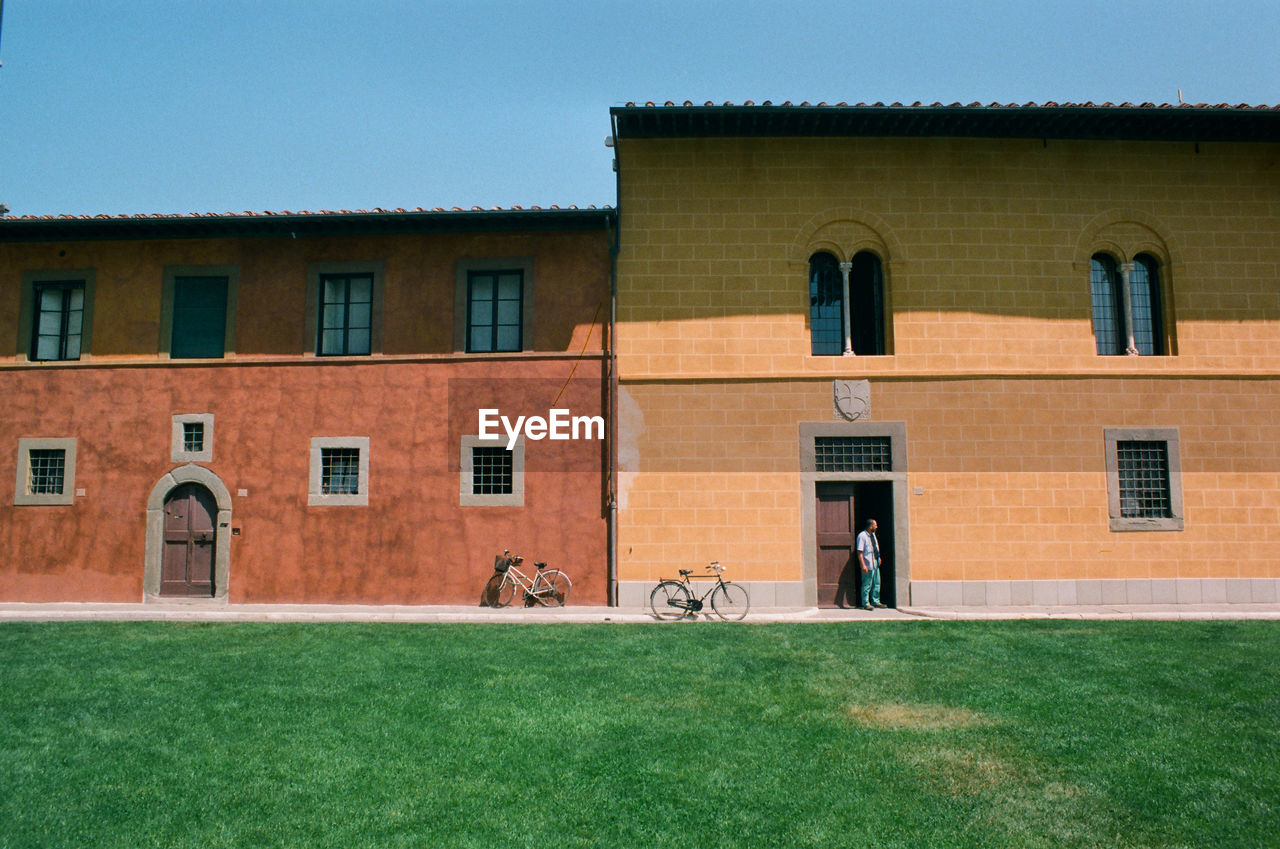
[(1039, 344)]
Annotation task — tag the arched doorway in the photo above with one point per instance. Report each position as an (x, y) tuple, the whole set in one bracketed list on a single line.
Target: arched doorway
[(190, 527), (188, 549)]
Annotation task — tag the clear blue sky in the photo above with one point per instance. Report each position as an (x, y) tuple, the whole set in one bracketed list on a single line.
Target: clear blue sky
[(180, 106)]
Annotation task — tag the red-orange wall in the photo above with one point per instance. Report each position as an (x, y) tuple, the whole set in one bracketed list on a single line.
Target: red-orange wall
[(413, 543)]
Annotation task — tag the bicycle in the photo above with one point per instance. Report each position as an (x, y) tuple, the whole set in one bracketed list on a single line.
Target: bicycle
[(673, 599), (547, 587)]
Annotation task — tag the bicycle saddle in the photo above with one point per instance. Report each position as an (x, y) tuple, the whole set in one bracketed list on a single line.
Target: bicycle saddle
[(686, 572), (539, 565)]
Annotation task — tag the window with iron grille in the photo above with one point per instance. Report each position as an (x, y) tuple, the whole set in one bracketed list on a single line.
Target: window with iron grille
[(492, 471), (853, 454), (1144, 479), (46, 473), (46, 468), (339, 471), (1143, 468), (193, 437)]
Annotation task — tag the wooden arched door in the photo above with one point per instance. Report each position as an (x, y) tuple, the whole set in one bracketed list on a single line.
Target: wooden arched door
[(186, 571)]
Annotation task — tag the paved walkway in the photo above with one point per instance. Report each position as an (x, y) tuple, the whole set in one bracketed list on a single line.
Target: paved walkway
[(209, 612)]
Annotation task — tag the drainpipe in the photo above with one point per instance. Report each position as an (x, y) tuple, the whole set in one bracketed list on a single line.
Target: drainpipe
[(612, 357)]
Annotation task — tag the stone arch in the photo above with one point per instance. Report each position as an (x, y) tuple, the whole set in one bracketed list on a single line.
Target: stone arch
[(1125, 233), (844, 232), (190, 473)]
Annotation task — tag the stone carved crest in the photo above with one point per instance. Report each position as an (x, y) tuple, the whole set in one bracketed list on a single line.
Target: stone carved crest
[(851, 399)]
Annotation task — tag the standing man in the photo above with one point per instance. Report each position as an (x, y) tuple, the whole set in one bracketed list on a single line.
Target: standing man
[(868, 548)]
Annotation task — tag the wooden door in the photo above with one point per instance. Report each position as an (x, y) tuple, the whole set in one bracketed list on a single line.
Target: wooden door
[(837, 567), (189, 540)]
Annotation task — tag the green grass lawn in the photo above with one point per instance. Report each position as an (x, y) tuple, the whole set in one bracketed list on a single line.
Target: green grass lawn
[(928, 734)]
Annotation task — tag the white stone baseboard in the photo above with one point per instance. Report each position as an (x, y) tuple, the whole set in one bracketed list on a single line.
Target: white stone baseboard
[(1100, 591)]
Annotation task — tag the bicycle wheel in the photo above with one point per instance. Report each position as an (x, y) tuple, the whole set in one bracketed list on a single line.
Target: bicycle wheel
[(730, 601), (551, 588), (498, 592), (670, 600)]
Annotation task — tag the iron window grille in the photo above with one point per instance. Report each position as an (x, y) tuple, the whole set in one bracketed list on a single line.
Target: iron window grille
[(853, 454), (46, 471), (492, 471), (193, 437), (339, 471), (1143, 468), (59, 320)]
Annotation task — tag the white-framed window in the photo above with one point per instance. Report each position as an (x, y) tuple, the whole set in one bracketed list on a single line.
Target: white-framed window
[(46, 472), (491, 475), (191, 438), (1144, 479), (339, 473)]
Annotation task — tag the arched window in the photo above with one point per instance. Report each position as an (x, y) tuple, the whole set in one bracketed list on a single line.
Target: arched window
[(1108, 312), (1144, 284), (866, 298), (1121, 323), (826, 305), (859, 329)]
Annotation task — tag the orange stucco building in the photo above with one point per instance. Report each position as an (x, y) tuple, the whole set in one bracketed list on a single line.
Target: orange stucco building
[(1039, 344), (284, 408)]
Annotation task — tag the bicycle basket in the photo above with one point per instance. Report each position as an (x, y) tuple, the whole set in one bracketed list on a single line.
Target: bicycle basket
[(501, 563)]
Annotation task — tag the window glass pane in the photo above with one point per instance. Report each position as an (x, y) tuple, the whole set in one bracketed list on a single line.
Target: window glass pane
[(51, 299), (481, 339), (334, 316), (331, 342), (492, 471), (358, 341), (51, 320), (340, 471), (74, 319), (72, 351), (193, 436), (509, 312), (1143, 468), (47, 348), (826, 306), (853, 454), (866, 304), (46, 467), (335, 290), (358, 316), (509, 286), (77, 299), (361, 290), (1147, 337), (481, 288), (508, 339), (1104, 291)]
